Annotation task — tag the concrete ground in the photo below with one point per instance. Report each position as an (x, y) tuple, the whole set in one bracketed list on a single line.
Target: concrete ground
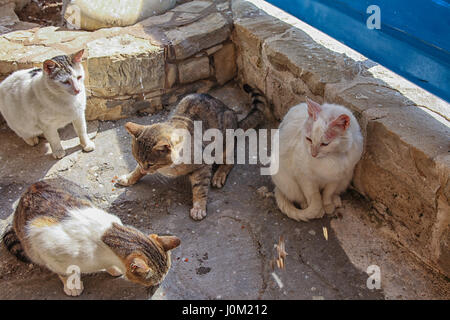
[(225, 256)]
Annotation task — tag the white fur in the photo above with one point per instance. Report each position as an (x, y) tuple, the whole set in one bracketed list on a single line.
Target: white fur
[(314, 182), (38, 105), (75, 241)]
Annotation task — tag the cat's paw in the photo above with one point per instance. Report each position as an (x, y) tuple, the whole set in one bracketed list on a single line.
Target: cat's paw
[(307, 214), (124, 181), (198, 212), (90, 146), (329, 208), (73, 292), (219, 178), (337, 201), (32, 141), (59, 154), (114, 271)]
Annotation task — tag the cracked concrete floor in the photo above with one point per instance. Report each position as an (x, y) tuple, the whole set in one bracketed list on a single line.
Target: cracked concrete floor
[(225, 256)]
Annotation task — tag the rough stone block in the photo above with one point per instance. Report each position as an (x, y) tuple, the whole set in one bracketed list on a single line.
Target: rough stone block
[(124, 65), (171, 74), (399, 171), (225, 64), (190, 39), (194, 69)]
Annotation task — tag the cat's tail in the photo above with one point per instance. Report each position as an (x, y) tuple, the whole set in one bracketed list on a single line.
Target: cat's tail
[(12, 243), (259, 112)]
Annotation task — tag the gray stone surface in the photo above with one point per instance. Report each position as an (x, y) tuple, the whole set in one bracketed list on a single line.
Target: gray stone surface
[(224, 256)]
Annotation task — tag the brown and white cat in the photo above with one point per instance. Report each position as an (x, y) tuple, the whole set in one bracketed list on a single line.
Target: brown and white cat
[(41, 101), (154, 147), (61, 230)]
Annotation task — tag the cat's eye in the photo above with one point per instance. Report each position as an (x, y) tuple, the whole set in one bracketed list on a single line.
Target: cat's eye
[(309, 139), (324, 144), (67, 82), (79, 77)]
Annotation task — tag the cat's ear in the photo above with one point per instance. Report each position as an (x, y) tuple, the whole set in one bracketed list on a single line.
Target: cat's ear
[(338, 126), (77, 57), (49, 66), (162, 146), (313, 108), (138, 265), (167, 242), (134, 129)]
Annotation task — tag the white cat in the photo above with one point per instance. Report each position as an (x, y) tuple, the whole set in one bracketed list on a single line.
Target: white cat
[(41, 101), (319, 148)]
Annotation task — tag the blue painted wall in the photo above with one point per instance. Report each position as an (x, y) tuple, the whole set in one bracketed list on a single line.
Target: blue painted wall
[(414, 39)]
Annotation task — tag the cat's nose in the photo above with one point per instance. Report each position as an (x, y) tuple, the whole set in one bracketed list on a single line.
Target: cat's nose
[(76, 91), (314, 152)]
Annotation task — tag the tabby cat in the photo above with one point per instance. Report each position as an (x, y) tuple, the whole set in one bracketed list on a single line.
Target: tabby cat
[(41, 101), (59, 229), (154, 147)]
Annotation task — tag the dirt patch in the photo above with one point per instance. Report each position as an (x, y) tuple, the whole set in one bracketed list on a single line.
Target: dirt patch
[(42, 12)]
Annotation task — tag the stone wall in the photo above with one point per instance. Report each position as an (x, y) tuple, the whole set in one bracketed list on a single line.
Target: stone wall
[(139, 68), (405, 168)]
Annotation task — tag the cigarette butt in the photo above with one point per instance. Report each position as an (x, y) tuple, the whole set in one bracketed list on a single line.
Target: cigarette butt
[(325, 233), (277, 280)]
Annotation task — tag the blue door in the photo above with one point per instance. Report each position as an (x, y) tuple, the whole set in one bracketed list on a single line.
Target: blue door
[(413, 39)]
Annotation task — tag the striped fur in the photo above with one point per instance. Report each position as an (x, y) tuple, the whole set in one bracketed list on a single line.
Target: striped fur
[(153, 147), (259, 111), (13, 245), (57, 228)]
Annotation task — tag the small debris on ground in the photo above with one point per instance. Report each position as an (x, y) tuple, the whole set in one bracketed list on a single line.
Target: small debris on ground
[(264, 192), (325, 233), (277, 280), (279, 261)]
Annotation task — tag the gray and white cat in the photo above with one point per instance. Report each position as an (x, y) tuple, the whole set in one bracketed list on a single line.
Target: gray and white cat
[(319, 148), (41, 101)]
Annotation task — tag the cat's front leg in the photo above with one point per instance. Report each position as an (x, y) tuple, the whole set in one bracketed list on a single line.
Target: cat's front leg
[(129, 179), (200, 181), (329, 201), (72, 289), (220, 176), (52, 136), (80, 127), (313, 197)]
